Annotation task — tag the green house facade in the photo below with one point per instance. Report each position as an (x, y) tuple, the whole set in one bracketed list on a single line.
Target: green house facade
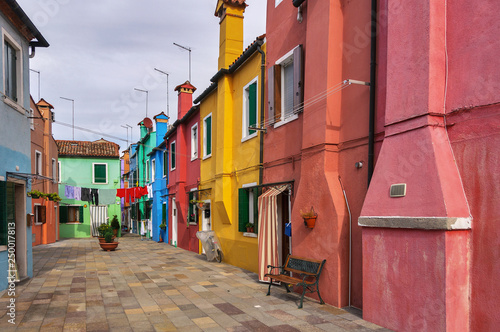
[(87, 165)]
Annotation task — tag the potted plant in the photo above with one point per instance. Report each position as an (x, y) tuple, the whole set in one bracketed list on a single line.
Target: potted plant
[(54, 197), (163, 227), (115, 225), (309, 217), (103, 229), (249, 227), (108, 244), (35, 194)]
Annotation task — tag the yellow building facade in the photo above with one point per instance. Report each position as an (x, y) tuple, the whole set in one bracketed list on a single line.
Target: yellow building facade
[(230, 151)]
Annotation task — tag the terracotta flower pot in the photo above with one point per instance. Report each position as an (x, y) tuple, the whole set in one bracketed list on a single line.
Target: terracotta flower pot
[(310, 222), (108, 246), (102, 240)]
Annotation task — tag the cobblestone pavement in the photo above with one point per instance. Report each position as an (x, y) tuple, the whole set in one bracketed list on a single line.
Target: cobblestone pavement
[(148, 286)]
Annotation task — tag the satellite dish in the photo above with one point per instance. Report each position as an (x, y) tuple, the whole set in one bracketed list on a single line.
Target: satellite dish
[(147, 123)]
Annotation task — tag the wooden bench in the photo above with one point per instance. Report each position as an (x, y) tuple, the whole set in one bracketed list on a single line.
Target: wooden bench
[(308, 271)]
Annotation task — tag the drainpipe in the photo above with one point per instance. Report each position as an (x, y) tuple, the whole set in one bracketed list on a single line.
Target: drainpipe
[(373, 72), (262, 90)]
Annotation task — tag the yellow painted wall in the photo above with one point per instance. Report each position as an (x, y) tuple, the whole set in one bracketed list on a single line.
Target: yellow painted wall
[(233, 163)]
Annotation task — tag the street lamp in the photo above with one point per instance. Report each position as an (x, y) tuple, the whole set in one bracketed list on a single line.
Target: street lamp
[(147, 94), (73, 103), (189, 50), (164, 73)]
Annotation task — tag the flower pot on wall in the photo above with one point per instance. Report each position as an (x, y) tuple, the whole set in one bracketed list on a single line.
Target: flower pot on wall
[(310, 222)]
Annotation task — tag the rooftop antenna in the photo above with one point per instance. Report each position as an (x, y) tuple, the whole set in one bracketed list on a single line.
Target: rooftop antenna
[(165, 73), (38, 72), (189, 50)]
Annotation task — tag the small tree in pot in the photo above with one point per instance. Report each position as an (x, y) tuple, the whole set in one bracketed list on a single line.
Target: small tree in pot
[(115, 225)]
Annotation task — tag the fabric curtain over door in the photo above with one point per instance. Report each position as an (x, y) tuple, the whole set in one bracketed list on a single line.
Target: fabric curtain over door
[(268, 230)]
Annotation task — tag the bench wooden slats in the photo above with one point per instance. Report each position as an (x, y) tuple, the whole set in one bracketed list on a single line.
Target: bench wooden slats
[(308, 269)]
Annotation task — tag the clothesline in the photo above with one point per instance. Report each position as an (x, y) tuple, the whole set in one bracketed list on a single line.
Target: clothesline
[(107, 196)]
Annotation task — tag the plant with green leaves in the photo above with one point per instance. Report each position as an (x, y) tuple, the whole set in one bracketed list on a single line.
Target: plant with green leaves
[(163, 226), (103, 229), (108, 237), (115, 224)]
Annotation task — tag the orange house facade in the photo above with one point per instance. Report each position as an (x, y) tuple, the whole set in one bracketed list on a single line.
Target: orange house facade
[(44, 165)]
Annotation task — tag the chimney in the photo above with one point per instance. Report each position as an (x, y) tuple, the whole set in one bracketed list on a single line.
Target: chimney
[(185, 98), (230, 13)]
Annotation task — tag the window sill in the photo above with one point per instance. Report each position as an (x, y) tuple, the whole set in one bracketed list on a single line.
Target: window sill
[(72, 223), (249, 137), (206, 157), (193, 224), (285, 121), (249, 234), (13, 104)]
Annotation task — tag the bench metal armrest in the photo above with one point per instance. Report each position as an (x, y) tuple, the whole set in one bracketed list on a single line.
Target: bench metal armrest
[(271, 268)]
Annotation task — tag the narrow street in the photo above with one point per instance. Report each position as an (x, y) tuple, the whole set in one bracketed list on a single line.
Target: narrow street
[(149, 286)]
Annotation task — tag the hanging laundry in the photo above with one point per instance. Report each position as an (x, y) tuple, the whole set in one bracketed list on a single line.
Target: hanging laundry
[(86, 195), (121, 192), (69, 192), (107, 196), (94, 195), (78, 193), (150, 190), (143, 229)]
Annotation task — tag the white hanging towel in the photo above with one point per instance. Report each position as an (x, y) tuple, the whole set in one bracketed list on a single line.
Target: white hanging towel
[(143, 229), (150, 190)]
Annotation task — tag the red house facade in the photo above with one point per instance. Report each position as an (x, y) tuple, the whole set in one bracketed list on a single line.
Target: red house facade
[(431, 241), (182, 142), (317, 128)]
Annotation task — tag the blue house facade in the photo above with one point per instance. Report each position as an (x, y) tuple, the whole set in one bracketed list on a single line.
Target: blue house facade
[(15, 143), (132, 182), (158, 161)]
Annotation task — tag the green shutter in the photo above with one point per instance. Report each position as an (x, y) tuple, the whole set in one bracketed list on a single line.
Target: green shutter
[(99, 173), (255, 193), (208, 129), (80, 213), (243, 209), (165, 164), (252, 107), (164, 213), (63, 214), (172, 153)]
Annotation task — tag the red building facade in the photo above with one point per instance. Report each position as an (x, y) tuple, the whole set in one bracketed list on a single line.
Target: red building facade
[(182, 142)]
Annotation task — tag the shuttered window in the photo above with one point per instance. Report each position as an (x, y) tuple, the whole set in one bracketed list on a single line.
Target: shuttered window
[(40, 214), (250, 108), (100, 173), (165, 163), (285, 87), (164, 213), (10, 71), (70, 214), (7, 209), (172, 156), (207, 136), (247, 208)]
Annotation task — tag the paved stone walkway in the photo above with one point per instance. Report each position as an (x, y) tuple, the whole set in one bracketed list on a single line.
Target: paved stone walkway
[(148, 286)]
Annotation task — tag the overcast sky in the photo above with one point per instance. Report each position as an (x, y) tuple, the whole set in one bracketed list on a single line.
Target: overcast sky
[(101, 50)]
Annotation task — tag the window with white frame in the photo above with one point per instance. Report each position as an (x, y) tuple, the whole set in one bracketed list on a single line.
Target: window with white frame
[(12, 66), (285, 89), (165, 163), (248, 207), (147, 171), (59, 171), (38, 162), (194, 142), (250, 108), (54, 171), (99, 173), (153, 169), (207, 136), (172, 155), (40, 213)]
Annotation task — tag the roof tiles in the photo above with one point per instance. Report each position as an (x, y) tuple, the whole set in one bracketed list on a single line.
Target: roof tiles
[(99, 148)]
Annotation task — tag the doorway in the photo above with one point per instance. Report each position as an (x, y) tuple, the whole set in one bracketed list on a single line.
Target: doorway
[(206, 220), (284, 213), (174, 223)]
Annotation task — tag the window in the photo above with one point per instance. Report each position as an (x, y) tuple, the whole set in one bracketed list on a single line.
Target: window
[(249, 116), (147, 171), (207, 136), (38, 163), (172, 156), (54, 171), (165, 163), (70, 214), (248, 207), (285, 87), (194, 142), (11, 69), (7, 209), (100, 173), (40, 213), (153, 170), (59, 171)]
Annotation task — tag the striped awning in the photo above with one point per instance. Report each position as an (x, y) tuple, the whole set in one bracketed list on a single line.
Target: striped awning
[(268, 230)]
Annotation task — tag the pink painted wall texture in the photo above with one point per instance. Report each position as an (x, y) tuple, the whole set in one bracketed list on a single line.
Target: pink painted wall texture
[(328, 137), (438, 92)]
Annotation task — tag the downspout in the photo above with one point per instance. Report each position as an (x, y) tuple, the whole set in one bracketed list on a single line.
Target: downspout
[(350, 239), (373, 72), (262, 91)]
